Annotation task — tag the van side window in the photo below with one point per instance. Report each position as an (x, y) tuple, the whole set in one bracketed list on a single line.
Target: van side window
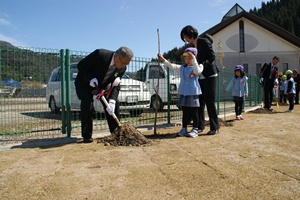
[(54, 76), (58, 75), (153, 72)]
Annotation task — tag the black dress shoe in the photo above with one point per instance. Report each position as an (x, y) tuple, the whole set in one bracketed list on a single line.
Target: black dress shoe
[(87, 140), (212, 132)]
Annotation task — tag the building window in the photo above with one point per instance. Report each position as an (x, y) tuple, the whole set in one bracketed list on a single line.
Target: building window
[(245, 65), (285, 66), (242, 36), (258, 68)]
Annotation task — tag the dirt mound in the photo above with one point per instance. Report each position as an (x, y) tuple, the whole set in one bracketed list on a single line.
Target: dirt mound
[(126, 135), (262, 111), (222, 122)]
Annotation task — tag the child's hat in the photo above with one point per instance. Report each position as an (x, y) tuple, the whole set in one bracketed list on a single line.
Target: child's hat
[(192, 50), (283, 77), (240, 67)]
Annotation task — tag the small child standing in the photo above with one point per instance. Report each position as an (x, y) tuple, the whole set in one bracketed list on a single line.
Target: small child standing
[(290, 90), (282, 86), (189, 89), (239, 85)]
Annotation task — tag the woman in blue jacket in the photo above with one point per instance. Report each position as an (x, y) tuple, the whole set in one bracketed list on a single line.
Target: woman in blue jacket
[(239, 85)]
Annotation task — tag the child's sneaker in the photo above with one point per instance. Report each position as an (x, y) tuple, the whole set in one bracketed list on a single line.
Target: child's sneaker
[(183, 132), (241, 117), (238, 117), (193, 133)]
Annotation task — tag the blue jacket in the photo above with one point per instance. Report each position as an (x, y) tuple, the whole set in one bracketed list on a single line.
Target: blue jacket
[(189, 84), (239, 86), (282, 85)]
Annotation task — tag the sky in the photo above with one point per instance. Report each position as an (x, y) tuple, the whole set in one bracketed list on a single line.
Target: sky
[(86, 25)]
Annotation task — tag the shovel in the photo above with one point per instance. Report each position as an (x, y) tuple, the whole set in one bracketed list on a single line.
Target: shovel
[(106, 103)]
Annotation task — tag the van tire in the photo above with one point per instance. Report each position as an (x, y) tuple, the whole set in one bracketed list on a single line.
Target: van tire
[(160, 105), (52, 105)]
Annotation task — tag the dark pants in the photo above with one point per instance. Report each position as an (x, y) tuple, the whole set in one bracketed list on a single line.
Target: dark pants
[(268, 93), (238, 101), (297, 95), (87, 111), (189, 113), (208, 96), (291, 102), (282, 97)]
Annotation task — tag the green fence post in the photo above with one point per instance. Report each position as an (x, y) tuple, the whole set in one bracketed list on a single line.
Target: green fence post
[(68, 94), (62, 78)]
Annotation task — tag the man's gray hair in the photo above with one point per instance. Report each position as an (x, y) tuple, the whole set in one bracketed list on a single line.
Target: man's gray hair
[(124, 52)]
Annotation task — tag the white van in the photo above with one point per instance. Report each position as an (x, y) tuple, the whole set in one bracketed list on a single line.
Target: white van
[(151, 73), (134, 96)]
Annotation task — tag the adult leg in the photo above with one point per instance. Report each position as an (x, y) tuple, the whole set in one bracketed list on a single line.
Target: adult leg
[(86, 107), (268, 91), (297, 95), (201, 113), (209, 98)]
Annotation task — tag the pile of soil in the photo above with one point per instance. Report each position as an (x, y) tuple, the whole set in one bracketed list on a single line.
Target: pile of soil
[(126, 135), (262, 111)]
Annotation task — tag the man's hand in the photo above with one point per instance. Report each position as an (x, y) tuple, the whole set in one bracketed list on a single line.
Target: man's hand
[(111, 107), (116, 82), (261, 80), (93, 81)]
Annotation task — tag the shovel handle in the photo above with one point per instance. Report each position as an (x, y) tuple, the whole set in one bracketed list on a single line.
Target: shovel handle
[(106, 103)]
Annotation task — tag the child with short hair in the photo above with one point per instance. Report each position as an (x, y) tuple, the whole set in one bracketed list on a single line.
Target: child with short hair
[(290, 90), (239, 85), (189, 89)]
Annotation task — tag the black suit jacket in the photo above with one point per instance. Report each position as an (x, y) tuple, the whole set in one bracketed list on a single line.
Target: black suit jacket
[(297, 81), (206, 56), (95, 65), (266, 71)]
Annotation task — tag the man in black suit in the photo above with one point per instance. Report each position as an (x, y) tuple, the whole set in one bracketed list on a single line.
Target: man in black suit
[(101, 67), (269, 75), (296, 77)]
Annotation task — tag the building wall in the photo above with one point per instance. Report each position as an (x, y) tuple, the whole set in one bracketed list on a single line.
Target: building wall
[(260, 47)]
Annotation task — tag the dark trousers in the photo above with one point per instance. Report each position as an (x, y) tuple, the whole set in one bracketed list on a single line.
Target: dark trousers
[(297, 95), (291, 102), (238, 102), (268, 93), (87, 110), (282, 97), (208, 96), (189, 113)]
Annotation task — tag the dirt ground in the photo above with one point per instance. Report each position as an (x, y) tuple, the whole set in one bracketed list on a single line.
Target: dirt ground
[(255, 158)]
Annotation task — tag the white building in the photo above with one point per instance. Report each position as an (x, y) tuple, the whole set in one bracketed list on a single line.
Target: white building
[(251, 41)]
